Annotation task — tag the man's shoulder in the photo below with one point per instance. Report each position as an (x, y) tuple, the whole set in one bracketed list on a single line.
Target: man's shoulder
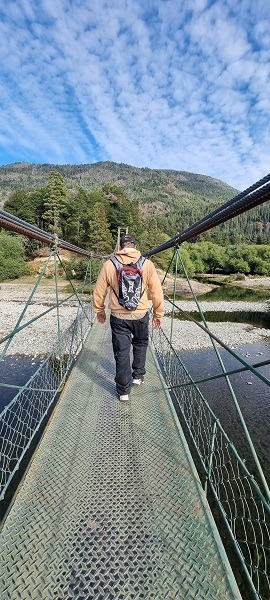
[(149, 263), (108, 261), (107, 265), (149, 268)]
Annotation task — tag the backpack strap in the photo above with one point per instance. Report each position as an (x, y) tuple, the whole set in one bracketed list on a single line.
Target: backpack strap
[(116, 262), (117, 265), (140, 265), (141, 261)]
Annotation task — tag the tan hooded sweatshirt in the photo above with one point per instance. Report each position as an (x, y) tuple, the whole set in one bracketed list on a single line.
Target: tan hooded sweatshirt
[(150, 284)]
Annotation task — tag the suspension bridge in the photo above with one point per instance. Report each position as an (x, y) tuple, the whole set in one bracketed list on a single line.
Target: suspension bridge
[(125, 501)]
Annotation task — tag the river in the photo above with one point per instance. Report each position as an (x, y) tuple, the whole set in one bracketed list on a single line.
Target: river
[(252, 394), (15, 370)]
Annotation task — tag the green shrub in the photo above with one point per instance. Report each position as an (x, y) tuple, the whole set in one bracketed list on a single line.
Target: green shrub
[(12, 263), (76, 269)]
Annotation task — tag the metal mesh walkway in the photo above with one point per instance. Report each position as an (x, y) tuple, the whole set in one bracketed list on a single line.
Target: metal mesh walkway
[(110, 507)]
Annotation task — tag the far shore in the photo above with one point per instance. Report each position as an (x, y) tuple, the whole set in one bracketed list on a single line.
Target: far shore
[(201, 287)]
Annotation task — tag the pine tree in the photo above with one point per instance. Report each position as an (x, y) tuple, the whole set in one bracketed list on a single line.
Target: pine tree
[(15, 201), (77, 217), (121, 211), (153, 237), (55, 202), (100, 237)]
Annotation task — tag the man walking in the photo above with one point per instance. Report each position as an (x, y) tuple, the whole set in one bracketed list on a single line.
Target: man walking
[(129, 326)]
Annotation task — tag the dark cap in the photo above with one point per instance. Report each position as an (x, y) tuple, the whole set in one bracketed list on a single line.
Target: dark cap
[(126, 239)]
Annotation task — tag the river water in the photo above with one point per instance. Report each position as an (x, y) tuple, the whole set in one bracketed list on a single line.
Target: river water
[(15, 370), (252, 394)]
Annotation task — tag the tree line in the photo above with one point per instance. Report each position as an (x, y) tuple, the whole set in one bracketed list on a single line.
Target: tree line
[(90, 219), (208, 257)]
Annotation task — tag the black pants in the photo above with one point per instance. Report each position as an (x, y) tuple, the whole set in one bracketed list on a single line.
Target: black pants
[(124, 333)]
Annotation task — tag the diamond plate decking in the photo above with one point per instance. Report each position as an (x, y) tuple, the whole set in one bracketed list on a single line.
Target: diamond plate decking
[(110, 507)]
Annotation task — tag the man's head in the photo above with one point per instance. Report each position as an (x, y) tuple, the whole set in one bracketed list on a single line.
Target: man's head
[(127, 241)]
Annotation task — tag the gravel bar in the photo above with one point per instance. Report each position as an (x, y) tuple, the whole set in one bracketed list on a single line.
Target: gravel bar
[(37, 338), (188, 336)]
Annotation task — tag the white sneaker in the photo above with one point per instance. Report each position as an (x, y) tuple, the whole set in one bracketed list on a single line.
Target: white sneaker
[(137, 381), (124, 397)]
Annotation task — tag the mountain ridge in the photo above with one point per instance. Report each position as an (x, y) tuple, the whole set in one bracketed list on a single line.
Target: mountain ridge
[(140, 183)]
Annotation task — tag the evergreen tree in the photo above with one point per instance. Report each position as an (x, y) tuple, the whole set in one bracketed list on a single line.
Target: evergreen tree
[(100, 238), (95, 196), (77, 218), (28, 206), (55, 202), (15, 201), (36, 200), (153, 237), (121, 211)]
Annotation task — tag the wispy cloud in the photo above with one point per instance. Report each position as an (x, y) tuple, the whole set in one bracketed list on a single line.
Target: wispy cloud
[(157, 83)]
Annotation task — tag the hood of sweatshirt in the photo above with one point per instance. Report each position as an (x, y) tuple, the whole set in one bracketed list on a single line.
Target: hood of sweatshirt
[(128, 255)]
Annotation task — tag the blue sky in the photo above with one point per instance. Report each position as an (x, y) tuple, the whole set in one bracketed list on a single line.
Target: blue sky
[(170, 84)]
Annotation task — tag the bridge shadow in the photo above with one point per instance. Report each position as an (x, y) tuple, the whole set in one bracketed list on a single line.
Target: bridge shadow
[(99, 369)]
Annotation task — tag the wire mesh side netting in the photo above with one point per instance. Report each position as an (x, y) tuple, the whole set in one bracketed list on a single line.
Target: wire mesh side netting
[(240, 500)]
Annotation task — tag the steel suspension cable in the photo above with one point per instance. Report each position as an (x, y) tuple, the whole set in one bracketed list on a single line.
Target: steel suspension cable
[(13, 223)]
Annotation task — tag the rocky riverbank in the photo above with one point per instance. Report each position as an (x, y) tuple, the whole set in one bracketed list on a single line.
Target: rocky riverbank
[(37, 338), (188, 336)]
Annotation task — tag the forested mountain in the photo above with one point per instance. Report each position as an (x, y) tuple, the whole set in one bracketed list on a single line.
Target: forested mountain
[(176, 198), (164, 188)]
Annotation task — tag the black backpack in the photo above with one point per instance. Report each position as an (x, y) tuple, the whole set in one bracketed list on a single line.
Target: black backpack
[(130, 282)]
